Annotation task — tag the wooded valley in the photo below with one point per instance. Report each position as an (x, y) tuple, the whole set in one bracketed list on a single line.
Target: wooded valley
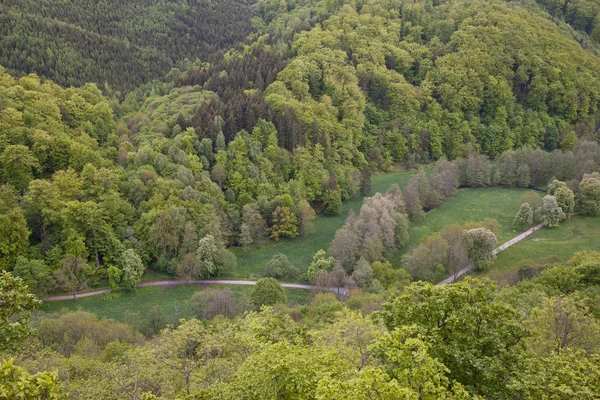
[(365, 150)]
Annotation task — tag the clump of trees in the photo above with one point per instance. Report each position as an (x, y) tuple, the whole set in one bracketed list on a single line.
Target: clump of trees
[(451, 249), (471, 339)]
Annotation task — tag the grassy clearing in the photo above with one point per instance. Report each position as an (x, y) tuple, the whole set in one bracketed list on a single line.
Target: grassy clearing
[(465, 206), (301, 250), (550, 245), (132, 306), (172, 301)]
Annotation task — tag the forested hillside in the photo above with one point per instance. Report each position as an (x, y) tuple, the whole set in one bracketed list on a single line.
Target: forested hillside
[(163, 139), (122, 43), (248, 148)]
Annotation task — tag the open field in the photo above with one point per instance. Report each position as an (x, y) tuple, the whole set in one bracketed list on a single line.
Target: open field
[(550, 245), (171, 301), (468, 205), (300, 250)]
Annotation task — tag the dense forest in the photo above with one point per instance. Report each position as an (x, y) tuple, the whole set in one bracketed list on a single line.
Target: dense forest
[(120, 43), (164, 136)]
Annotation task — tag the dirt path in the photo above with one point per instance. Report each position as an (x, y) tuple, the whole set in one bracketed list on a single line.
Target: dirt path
[(506, 245), (179, 283), (450, 279)]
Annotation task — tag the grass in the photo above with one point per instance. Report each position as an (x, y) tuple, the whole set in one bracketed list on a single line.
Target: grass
[(551, 245), (132, 306), (468, 205), (300, 250), (172, 301)]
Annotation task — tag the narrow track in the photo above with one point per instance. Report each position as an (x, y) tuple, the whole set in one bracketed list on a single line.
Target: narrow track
[(516, 239), (448, 280), (179, 283)]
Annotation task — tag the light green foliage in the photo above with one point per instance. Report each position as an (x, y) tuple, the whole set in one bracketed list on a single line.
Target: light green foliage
[(480, 244), (332, 201), (565, 198), (267, 291), (18, 165), (114, 277), (476, 338), (551, 212), (589, 194), (524, 218), (284, 223), (214, 258), (388, 276), (569, 141), (17, 383), (16, 305), (319, 264), (555, 376), (562, 323), (133, 269), (280, 268), (14, 235), (34, 273)]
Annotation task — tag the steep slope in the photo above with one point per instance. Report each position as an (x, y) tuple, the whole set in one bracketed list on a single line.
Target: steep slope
[(120, 42)]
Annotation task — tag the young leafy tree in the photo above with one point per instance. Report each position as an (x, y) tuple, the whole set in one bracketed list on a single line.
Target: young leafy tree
[(35, 273), (305, 214), (481, 243), (133, 269), (279, 267), (213, 258), (17, 164), (267, 291), (114, 277), (589, 194), (552, 214), (414, 208), (73, 276), (164, 233), (401, 232), (255, 223), (16, 306), (189, 267), (319, 264), (523, 176), (245, 237), (285, 223), (565, 198), (362, 274), (332, 201), (14, 235), (524, 217)]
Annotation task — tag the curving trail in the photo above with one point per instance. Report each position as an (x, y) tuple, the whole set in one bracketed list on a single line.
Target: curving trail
[(516, 239), (192, 282), (448, 280)]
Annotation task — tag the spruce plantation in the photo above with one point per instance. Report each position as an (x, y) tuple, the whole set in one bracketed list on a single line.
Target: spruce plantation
[(312, 200)]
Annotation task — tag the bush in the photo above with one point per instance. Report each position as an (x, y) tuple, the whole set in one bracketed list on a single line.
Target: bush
[(267, 291), (280, 268)]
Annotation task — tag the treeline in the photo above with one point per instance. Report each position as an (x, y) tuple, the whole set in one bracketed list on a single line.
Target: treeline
[(402, 91), (467, 340), (119, 43), (85, 200), (363, 247)]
